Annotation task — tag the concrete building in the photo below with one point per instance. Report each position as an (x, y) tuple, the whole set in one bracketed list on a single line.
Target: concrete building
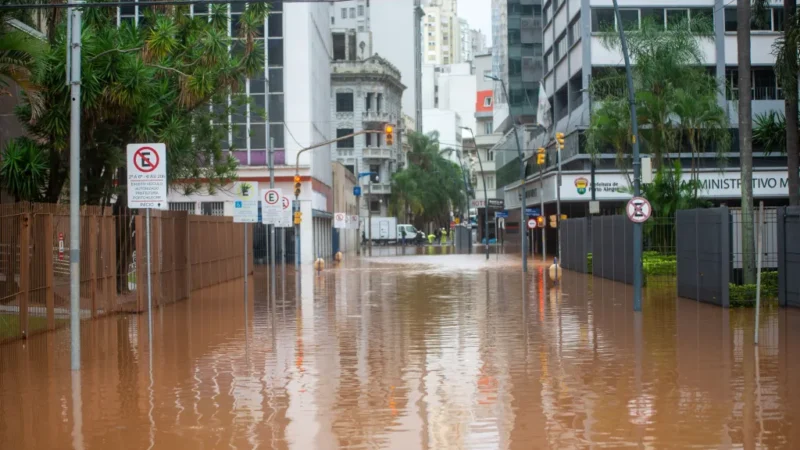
[(366, 95), (574, 53), (448, 124), (392, 24), (441, 39), (450, 87), (516, 59), (473, 42), (295, 91)]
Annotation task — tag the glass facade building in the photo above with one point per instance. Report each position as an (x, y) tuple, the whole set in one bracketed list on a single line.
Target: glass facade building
[(258, 116)]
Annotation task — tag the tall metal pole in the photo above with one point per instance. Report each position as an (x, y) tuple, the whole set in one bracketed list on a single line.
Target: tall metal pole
[(637, 167), (485, 193), (558, 201), (369, 215), (541, 205), (523, 230), (149, 278), (358, 211), (245, 274), (75, 189), (418, 15), (272, 227)]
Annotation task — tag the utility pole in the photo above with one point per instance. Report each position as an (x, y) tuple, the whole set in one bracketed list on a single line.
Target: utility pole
[(637, 167), (272, 227), (369, 215), (358, 211), (74, 80), (418, 14)]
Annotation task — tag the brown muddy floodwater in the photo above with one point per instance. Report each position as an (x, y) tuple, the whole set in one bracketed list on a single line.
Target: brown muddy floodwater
[(412, 352)]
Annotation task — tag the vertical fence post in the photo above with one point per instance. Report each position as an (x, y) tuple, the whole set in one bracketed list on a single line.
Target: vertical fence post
[(109, 262), (49, 276), (24, 272), (187, 236), (92, 223)]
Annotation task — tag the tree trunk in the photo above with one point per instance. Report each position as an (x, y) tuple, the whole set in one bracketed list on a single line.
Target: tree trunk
[(790, 94), (746, 140)]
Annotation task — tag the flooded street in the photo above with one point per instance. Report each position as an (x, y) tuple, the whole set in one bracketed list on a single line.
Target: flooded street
[(430, 351)]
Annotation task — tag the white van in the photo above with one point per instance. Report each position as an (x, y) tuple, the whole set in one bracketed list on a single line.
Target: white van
[(411, 232)]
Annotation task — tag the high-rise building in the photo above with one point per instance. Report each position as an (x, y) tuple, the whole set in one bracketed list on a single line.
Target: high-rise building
[(473, 42), (516, 59), (294, 90), (441, 28)]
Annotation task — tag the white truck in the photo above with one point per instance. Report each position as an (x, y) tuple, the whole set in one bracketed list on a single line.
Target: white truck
[(384, 230)]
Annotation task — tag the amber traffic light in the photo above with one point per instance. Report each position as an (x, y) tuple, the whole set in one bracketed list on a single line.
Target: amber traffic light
[(560, 140), (297, 185), (540, 221), (540, 156), (389, 130)]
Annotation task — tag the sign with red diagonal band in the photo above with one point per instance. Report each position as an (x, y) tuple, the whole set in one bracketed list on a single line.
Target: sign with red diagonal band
[(147, 176), (638, 210), (339, 220)]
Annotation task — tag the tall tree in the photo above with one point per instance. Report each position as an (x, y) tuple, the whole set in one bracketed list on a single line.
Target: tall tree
[(743, 17)]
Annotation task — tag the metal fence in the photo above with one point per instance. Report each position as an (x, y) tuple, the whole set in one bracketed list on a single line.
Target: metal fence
[(576, 244), (703, 249), (188, 253), (789, 256)]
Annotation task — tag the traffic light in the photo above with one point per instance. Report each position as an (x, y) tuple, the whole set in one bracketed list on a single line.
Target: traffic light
[(540, 156), (389, 130), (297, 185), (540, 222), (553, 221), (560, 140), (298, 217)]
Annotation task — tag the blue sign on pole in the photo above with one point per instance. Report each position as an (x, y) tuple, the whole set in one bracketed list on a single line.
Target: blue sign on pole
[(501, 214), (533, 212), (357, 191)]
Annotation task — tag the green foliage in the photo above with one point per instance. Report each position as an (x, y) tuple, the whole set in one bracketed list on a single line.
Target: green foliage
[(675, 96), (744, 295), (151, 83), (23, 169), (429, 186), (18, 55), (769, 131)]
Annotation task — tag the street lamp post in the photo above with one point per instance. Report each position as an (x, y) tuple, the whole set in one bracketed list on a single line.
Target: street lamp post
[(522, 228), (637, 167), (485, 194)]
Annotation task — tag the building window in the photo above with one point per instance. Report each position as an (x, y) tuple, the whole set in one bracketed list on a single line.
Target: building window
[(368, 102), (772, 20), (189, 207), (333, 20), (487, 101), (560, 48), (379, 103), (490, 182), (361, 28), (602, 19), (375, 206), (375, 173), (676, 18), (368, 139), (212, 208), (360, 10), (345, 143), (487, 128), (490, 156), (344, 102), (352, 13), (344, 13)]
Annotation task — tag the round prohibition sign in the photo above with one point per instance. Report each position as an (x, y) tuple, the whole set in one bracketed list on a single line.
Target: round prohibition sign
[(271, 197), (146, 159), (638, 210), (285, 202), (532, 223)]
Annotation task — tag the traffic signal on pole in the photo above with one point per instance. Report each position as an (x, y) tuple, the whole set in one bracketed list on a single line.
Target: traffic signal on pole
[(298, 217), (540, 156), (297, 185), (560, 140), (389, 130), (540, 222), (553, 221)]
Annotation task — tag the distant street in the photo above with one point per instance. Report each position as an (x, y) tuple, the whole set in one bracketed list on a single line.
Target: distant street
[(433, 351)]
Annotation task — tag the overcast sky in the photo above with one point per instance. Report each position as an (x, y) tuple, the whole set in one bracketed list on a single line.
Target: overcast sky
[(479, 15)]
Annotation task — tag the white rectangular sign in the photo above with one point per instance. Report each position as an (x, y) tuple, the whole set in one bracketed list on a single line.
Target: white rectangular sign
[(245, 207), (285, 220), (147, 176), (339, 220), (271, 207), (354, 221)]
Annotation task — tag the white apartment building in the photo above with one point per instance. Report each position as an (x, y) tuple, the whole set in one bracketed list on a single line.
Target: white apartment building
[(295, 91), (448, 125), (366, 95), (473, 42), (441, 33), (573, 53), (450, 87)]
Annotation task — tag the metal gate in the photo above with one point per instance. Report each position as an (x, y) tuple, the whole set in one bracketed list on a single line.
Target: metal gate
[(789, 256)]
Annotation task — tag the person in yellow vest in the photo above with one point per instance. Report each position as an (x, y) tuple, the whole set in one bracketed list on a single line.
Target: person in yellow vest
[(431, 237), (444, 236)]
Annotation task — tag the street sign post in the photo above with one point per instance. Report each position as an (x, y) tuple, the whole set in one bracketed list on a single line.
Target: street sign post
[(60, 246), (354, 221), (285, 220), (533, 212), (272, 207), (357, 191), (638, 210), (339, 220), (147, 188), (245, 207), (532, 223), (501, 214)]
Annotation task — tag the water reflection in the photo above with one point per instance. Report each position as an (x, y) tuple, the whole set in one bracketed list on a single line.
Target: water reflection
[(410, 350)]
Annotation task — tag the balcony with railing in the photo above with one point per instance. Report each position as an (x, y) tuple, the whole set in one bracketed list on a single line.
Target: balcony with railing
[(377, 188), (378, 153), (379, 116)]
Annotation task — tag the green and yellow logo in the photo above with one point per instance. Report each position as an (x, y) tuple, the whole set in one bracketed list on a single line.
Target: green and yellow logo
[(581, 184)]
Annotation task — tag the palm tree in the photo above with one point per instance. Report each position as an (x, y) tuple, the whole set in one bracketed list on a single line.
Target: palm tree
[(743, 17), (786, 68), (18, 55)]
